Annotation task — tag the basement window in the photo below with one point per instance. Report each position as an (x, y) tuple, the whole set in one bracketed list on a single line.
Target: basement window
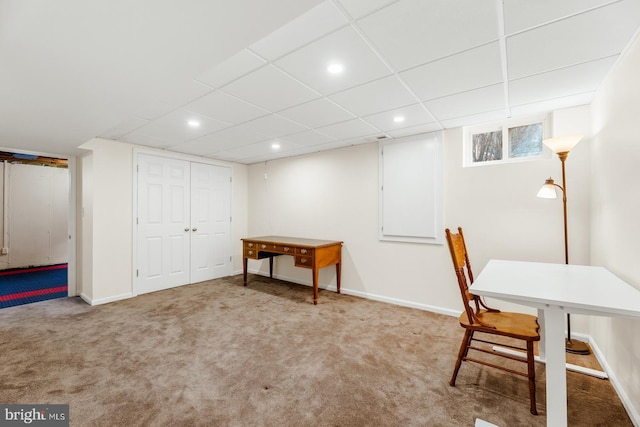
[(505, 142)]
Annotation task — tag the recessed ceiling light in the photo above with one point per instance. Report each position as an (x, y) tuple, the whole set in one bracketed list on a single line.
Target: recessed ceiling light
[(398, 119), (193, 123), (275, 146), (335, 68)]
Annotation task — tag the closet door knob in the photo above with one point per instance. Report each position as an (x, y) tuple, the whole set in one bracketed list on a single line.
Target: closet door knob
[(186, 229), (194, 229)]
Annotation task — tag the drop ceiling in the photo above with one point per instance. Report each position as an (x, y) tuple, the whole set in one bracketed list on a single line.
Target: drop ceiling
[(254, 76)]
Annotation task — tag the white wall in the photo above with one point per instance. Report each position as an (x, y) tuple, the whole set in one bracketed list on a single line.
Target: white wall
[(334, 195), (615, 208), (106, 221)]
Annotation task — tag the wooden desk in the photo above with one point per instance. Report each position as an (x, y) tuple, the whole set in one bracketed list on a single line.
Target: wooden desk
[(307, 253), (555, 289)]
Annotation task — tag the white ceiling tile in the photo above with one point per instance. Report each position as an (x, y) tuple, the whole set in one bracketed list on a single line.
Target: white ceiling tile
[(413, 115), (238, 65), (317, 22), (236, 136), (560, 83), (463, 104), (273, 126), (270, 88), (344, 46), (317, 113), (592, 35), (413, 32), (349, 129), (523, 14), (123, 128), (415, 130), (359, 8), (380, 95), (198, 147), (174, 127), (468, 70), (224, 140), (263, 148), (147, 141), (351, 141), (487, 116), (308, 138), (221, 106), (187, 91), (552, 104)]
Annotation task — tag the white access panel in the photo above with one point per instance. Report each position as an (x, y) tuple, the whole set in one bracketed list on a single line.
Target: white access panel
[(411, 203)]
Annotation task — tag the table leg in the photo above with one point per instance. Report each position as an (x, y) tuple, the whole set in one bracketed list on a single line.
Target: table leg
[(271, 267), (244, 270), (315, 285), (338, 276), (556, 373)]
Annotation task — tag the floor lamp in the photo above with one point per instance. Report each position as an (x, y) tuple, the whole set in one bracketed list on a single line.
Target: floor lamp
[(562, 145)]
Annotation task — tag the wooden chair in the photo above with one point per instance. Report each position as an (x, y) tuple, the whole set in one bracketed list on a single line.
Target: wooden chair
[(477, 317)]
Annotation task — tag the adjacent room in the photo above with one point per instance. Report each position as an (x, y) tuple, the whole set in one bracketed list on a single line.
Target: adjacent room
[(255, 198)]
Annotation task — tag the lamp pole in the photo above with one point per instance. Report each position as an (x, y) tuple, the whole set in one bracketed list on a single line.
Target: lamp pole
[(561, 146), (577, 347), (563, 157)]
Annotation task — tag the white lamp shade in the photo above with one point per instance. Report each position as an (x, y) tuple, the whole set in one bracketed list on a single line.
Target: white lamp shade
[(547, 191), (563, 144)]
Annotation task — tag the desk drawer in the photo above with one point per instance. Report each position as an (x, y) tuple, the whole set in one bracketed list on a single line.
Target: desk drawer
[(250, 250), (282, 249), (304, 261), (305, 251), (250, 253), (278, 249), (265, 247), (304, 257)]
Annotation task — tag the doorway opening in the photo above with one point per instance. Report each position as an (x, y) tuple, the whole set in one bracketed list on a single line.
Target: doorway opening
[(34, 207)]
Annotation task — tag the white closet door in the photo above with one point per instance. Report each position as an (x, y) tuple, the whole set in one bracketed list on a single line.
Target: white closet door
[(163, 223), (210, 222)]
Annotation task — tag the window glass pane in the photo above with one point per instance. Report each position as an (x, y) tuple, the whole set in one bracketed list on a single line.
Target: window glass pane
[(487, 146), (525, 141)]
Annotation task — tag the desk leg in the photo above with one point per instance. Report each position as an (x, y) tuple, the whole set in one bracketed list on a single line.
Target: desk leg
[(271, 267), (556, 373), (315, 286), (338, 276), (244, 270)]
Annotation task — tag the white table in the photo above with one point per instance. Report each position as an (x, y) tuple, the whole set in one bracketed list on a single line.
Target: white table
[(556, 289)]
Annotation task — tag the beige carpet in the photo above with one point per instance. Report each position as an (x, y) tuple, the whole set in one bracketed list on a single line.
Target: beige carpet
[(219, 354)]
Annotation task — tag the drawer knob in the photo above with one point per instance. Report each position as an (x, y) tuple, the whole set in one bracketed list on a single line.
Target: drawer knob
[(250, 252), (286, 249), (250, 245), (303, 251), (303, 260), (264, 246)]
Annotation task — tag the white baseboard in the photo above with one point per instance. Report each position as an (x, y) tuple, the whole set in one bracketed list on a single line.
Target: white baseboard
[(100, 301), (367, 295), (401, 302), (632, 411)]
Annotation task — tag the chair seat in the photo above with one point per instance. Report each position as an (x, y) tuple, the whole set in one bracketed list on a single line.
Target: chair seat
[(516, 325)]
